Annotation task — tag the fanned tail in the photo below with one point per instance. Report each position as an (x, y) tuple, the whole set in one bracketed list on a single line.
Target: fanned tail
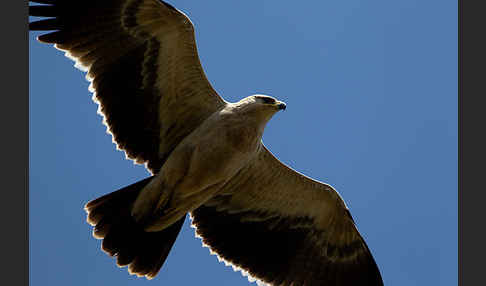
[(143, 252)]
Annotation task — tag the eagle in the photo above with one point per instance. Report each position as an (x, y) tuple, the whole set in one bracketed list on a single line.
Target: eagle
[(205, 155)]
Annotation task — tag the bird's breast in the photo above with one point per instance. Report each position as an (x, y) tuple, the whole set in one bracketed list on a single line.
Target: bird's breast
[(223, 145)]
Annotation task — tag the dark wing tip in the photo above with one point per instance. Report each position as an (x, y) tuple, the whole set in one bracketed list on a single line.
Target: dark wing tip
[(44, 1), (44, 25), (43, 11)]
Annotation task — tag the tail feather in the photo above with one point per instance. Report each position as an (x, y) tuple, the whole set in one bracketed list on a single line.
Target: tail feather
[(143, 252)]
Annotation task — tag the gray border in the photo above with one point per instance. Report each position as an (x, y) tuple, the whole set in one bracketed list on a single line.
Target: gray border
[(471, 130), (15, 145)]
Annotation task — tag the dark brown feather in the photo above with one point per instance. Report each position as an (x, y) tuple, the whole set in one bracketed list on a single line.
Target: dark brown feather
[(278, 253), (43, 11), (91, 32), (44, 1), (121, 59), (143, 252), (47, 24)]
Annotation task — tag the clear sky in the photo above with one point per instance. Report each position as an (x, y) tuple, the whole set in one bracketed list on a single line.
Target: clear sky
[(371, 92)]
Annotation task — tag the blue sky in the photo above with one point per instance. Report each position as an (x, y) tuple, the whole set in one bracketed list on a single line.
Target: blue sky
[(371, 92)]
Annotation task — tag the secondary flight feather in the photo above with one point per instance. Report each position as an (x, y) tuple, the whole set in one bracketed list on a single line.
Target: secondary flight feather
[(205, 154)]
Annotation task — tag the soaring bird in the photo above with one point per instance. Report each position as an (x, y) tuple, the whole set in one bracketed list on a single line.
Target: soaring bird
[(205, 154)]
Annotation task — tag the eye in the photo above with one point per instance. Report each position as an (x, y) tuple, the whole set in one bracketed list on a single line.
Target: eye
[(267, 100)]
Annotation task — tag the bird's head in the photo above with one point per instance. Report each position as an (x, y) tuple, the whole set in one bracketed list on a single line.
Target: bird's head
[(261, 106), (268, 102)]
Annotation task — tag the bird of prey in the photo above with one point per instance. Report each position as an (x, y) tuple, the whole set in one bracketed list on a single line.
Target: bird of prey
[(205, 154)]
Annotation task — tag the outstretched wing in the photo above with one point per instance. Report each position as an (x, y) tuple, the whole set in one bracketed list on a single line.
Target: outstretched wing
[(283, 228), (142, 61)]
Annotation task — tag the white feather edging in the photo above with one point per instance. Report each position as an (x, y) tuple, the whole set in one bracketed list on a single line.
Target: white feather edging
[(243, 272)]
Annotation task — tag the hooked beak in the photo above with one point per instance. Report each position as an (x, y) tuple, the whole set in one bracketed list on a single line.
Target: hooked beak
[(281, 105)]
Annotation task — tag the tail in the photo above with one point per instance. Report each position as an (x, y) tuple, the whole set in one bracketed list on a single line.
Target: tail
[(143, 252)]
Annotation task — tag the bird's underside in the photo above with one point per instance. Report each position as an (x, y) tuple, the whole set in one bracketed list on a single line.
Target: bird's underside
[(206, 156)]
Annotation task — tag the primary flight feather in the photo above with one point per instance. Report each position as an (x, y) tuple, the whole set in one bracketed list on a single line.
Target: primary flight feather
[(205, 154)]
